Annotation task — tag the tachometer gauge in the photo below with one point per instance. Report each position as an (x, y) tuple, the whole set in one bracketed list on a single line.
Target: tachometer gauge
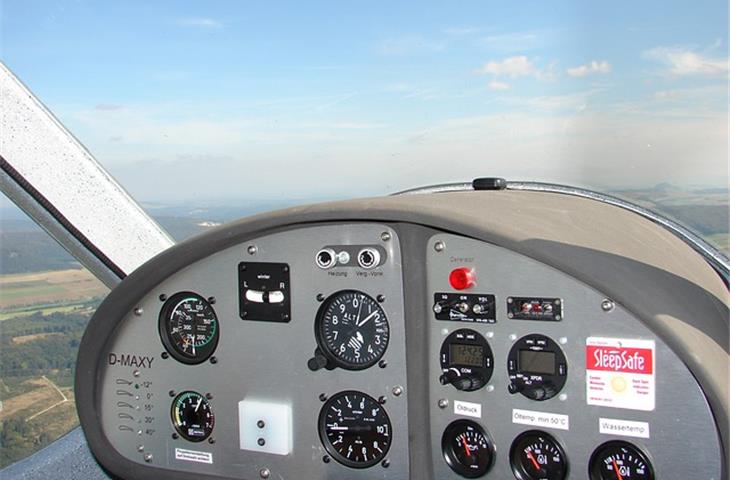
[(537, 455), (467, 448), (189, 327), (192, 417), (619, 460), (355, 429), (352, 330)]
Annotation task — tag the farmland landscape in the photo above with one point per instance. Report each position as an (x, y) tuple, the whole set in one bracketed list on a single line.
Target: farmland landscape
[(46, 300)]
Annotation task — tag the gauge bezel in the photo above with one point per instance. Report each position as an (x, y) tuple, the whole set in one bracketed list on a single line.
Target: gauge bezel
[(333, 359), (599, 453), (448, 452), (517, 468), (164, 329), (337, 456), (173, 410)]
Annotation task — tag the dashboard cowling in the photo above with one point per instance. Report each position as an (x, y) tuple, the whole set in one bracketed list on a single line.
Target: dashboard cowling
[(612, 257)]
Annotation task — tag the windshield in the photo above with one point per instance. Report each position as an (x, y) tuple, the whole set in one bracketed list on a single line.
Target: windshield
[(208, 111)]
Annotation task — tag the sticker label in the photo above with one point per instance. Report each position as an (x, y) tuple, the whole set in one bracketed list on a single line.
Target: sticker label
[(626, 428), (193, 456), (468, 409), (541, 419), (620, 373)]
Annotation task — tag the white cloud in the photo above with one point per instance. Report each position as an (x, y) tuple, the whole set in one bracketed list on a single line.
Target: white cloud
[(683, 61), (590, 69), (498, 86), (408, 44), (199, 22), (517, 66)]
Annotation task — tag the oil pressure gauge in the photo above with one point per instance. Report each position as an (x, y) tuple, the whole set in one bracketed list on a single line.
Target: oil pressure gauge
[(467, 448)]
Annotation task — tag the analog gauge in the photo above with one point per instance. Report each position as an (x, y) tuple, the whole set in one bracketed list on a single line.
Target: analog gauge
[(355, 429), (467, 448), (189, 327), (352, 330), (192, 417), (619, 460), (537, 455)]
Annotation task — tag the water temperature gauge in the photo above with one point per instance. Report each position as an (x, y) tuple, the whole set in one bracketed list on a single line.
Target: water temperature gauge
[(467, 448), (619, 460), (537, 455)]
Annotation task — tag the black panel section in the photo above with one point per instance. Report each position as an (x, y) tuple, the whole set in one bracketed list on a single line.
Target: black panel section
[(459, 307), (264, 292), (535, 308)]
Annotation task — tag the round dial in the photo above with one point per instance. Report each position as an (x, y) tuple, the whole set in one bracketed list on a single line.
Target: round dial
[(619, 460), (467, 448), (192, 417), (189, 327), (537, 455), (355, 429), (352, 330)]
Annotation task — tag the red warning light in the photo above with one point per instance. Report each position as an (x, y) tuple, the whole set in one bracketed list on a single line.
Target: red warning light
[(462, 278)]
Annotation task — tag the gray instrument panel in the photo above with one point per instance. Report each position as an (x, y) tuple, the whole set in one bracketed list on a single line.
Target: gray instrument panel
[(673, 426), (267, 363), (260, 361)]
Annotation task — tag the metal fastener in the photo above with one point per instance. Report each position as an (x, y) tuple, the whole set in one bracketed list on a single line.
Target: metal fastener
[(252, 249), (138, 311), (443, 403), (607, 305), (264, 473), (439, 246), (385, 236), (397, 390)]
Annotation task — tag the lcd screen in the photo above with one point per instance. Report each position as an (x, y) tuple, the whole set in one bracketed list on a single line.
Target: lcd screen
[(537, 362), (469, 355)]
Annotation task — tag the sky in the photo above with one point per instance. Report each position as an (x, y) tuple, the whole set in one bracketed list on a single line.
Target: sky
[(197, 101)]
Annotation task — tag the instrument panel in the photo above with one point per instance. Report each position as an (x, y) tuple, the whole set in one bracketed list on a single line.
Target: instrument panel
[(388, 350)]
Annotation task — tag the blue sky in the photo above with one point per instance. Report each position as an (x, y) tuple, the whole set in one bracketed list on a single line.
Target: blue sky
[(378, 96)]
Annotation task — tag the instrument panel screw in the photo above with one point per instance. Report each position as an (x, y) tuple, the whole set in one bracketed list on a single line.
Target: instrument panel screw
[(322, 397), (385, 463), (382, 364), (213, 360), (138, 311), (136, 373), (211, 300), (397, 390), (164, 355), (264, 473), (252, 249), (326, 459), (175, 436), (211, 440), (147, 457), (439, 246), (140, 448), (261, 442), (209, 396), (443, 403), (381, 400), (607, 305), (172, 393), (162, 297), (320, 297), (261, 424), (385, 236), (380, 298)]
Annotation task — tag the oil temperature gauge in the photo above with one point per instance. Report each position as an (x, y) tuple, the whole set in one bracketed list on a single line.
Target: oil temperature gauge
[(619, 460), (467, 448), (536, 455)]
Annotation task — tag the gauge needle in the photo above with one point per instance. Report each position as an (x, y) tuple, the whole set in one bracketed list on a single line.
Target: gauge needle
[(616, 469), (198, 405), (192, 342), (534, 462), (366, 319), (466, 447)]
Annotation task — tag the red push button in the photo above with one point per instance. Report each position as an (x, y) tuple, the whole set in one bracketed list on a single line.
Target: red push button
[(462, 278)]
